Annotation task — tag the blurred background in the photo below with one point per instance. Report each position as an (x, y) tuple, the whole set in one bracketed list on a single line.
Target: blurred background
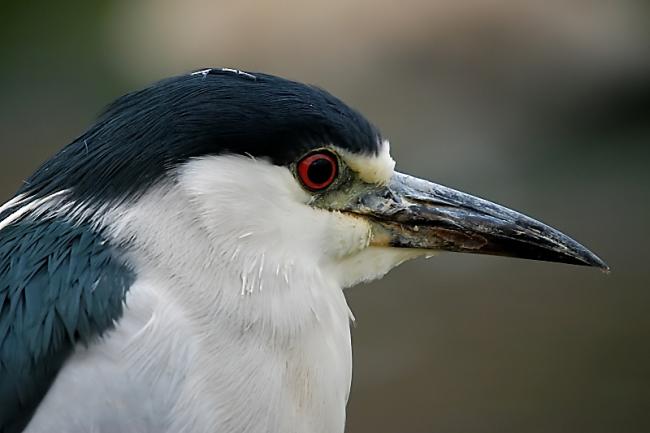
[(541, 106)]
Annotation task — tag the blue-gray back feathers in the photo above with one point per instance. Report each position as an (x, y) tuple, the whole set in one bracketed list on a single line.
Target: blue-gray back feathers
[(60, 285)]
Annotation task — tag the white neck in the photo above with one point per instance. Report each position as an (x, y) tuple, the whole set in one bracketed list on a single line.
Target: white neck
[(253, 357)]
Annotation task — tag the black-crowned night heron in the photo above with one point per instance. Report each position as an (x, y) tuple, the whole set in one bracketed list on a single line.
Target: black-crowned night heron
[(179, 267)]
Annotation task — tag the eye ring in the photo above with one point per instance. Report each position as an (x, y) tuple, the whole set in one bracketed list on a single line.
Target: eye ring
[(318, 170)]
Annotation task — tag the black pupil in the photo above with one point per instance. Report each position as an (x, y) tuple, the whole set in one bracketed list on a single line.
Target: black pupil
[(320, 171)]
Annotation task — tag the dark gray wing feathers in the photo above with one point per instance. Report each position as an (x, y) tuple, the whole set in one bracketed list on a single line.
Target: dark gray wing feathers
[(60, 285)]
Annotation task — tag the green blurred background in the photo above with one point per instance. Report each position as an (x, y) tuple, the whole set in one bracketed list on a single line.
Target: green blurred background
[(541, 106)]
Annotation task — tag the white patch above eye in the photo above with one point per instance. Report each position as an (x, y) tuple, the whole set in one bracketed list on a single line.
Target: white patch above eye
[(376, 169)]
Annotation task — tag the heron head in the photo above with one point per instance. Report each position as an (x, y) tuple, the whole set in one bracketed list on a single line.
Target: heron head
[(278, 168)]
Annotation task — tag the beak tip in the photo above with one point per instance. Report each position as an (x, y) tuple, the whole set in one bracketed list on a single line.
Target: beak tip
[(591, 259), (604, 267)]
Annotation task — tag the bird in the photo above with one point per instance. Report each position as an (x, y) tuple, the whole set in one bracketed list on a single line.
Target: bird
[(181, 265)]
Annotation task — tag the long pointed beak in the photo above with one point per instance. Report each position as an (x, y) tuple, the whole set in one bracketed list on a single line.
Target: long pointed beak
[(415, 213)]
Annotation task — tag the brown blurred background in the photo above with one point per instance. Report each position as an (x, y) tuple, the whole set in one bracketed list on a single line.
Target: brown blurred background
[(543, 106)]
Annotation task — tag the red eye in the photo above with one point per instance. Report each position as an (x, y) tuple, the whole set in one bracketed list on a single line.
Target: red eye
[(317, 170)]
